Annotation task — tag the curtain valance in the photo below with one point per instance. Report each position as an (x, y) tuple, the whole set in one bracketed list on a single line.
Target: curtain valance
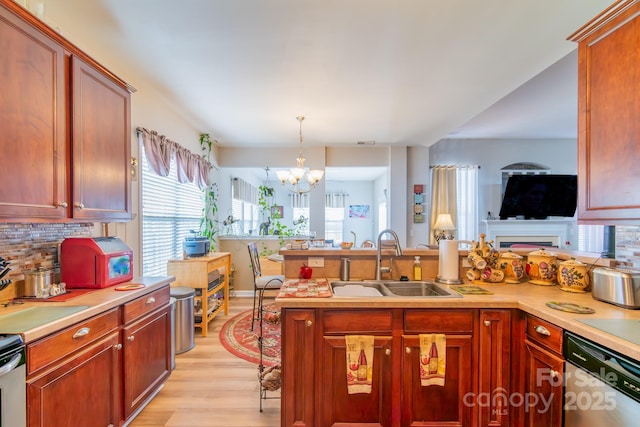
[(158, 150), (335, 200)]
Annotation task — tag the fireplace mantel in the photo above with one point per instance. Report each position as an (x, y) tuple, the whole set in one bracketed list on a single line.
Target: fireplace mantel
[(549, 232)]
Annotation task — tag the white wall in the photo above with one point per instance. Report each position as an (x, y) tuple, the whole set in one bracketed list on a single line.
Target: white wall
[(560, 155)]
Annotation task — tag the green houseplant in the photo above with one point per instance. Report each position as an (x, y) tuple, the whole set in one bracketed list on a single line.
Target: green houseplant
[(208, 223)]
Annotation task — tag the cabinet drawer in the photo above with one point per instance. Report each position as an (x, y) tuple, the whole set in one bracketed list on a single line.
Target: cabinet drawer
[(357, 321), (61, 344), (442, 321), (544, 333), (146, 304)]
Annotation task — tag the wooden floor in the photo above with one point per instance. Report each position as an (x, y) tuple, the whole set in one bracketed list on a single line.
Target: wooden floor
[(210, 387)]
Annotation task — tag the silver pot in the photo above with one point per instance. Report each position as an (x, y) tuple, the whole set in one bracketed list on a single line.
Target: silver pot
[(37, 283)]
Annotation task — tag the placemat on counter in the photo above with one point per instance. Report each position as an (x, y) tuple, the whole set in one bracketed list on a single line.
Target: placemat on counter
[(299, 288), (471, 290)]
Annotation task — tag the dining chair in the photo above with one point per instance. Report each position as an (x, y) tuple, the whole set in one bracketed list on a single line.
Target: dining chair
[(260, 283)]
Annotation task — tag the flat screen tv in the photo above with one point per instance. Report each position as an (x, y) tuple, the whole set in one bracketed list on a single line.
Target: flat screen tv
[(539, 196)]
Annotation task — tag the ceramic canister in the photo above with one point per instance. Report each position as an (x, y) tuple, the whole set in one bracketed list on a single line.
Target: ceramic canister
[(573, 276), (542, 267), (513, 266)]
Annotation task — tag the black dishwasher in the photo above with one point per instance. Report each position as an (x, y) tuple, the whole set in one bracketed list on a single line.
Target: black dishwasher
[(602, 387)]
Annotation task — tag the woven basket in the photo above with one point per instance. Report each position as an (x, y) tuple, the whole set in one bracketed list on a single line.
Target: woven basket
[(271, 316), (271, 378)]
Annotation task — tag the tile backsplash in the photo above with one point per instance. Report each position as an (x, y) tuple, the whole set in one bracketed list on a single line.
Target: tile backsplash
[(628, 245), (31, 245)]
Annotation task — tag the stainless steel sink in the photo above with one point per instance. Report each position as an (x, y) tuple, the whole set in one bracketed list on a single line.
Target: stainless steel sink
[(420, 289), (391, 288)]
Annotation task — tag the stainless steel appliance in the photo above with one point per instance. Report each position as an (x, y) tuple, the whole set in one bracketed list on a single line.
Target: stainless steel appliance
[(617, 286), (602, 388), (13, 387)]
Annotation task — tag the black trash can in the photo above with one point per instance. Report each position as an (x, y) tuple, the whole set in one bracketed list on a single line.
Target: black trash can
[(184, 336)]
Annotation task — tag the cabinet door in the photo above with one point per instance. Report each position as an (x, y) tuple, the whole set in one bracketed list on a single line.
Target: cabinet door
[(543, 379), (33, 122), (83, 391), (609, 107), (146, 358), (494, 367), (361, 409), (101, 138), (436, 405), (298, 359)]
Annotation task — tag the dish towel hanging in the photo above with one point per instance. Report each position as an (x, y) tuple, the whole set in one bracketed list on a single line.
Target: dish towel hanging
[(359, 363), (433, 359)]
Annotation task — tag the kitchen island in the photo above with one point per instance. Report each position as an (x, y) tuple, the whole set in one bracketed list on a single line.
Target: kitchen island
[(506, 342)]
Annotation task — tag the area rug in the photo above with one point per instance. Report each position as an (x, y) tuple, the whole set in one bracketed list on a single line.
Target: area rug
[(237, 337)]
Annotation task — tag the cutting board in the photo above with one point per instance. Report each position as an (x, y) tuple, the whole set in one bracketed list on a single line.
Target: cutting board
[(32, 317), (627, 329)]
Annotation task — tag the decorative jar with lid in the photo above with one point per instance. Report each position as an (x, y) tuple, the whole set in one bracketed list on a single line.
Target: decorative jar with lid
[(573, 276), (542, 267), (513, 266)]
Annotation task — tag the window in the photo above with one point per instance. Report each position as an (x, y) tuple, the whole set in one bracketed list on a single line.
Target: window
[(334, 207), (467, 202), (590, 238), (170, 210), (333, 224), (247, 216), (244, 207)]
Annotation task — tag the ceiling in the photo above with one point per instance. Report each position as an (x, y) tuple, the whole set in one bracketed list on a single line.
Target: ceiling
[(406, 72)]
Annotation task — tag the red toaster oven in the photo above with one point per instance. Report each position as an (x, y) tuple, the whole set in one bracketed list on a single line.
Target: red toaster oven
[(95, 262)]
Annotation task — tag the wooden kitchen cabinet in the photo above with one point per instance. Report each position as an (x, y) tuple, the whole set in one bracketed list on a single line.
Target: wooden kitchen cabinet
[(494, 367), (608, 111), (82, 361), (314, 391), (103, 370), (66, 127), (438, 405), (543, 373), (84, 391), (359, 409), (146, 353), (298, 367), (101, 146), (33, 122)]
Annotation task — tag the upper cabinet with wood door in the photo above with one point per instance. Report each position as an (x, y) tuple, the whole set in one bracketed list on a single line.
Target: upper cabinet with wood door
[(66, 130), (608, 115)]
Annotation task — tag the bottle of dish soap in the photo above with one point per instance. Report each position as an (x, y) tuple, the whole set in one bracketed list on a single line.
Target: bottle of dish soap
[(417, 269)]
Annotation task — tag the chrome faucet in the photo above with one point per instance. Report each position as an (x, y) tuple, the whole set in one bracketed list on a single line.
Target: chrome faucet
[(379, 268)]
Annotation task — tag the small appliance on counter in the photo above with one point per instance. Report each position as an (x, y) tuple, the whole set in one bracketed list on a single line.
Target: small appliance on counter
[(617, 286), (95, 262), (196, 246)]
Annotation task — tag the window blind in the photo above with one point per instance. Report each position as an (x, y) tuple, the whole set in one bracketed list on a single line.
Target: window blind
[(170, 210)]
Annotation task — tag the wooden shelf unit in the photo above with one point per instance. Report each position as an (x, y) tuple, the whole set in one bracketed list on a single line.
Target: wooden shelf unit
[(194, 273)]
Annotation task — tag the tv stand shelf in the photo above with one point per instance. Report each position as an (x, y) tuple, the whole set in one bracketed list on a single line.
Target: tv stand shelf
[(194, 273)]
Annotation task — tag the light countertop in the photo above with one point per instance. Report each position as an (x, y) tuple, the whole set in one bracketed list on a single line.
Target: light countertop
[(94, 303), (527, 297)]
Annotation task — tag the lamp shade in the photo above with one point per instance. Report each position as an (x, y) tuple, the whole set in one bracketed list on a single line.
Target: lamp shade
[(444, 222)]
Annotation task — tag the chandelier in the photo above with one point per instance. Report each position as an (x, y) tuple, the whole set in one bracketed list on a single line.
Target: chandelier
[(300, 179)]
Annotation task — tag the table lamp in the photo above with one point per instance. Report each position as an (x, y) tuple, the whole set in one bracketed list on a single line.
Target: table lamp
[(443, 228)]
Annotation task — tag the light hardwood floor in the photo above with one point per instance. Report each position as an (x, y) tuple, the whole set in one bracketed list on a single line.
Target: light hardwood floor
[(210, 387)]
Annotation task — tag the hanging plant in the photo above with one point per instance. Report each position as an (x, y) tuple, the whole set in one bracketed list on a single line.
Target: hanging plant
[(208, 223)]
